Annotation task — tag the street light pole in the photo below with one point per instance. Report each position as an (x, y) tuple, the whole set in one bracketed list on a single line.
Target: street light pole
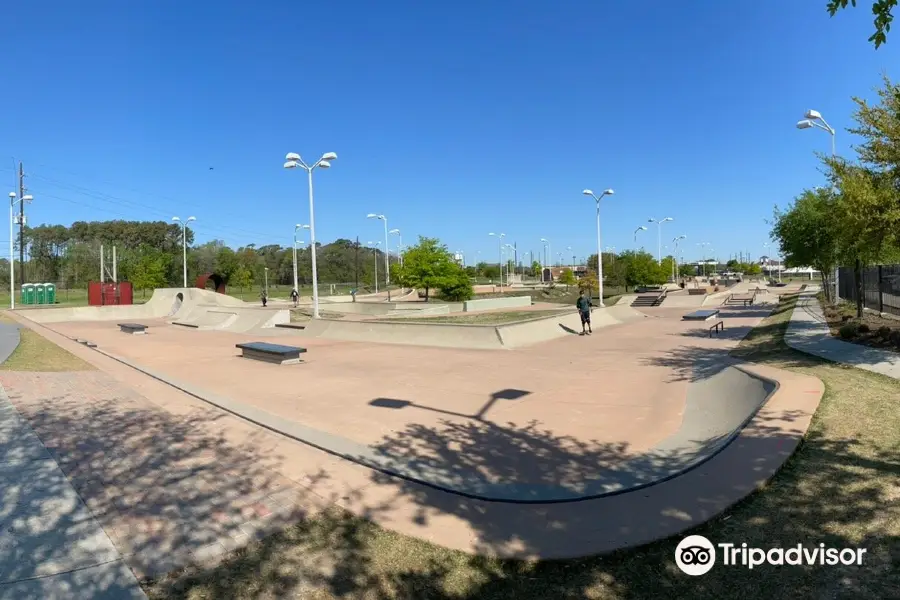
[(608, 192), (500, 237), (659, 236), (297, 227), (293, 161), (184, 225), (399, 244), (387, 250), (641, 228), (548, 256), (814, 119), (675, 256), (374, 246)]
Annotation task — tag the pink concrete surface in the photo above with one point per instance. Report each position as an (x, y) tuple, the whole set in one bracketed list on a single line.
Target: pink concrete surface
[(617, 388), (123, 415)]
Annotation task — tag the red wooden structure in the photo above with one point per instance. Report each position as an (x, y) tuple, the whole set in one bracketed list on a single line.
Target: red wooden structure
[(110, 294), (215, 278)]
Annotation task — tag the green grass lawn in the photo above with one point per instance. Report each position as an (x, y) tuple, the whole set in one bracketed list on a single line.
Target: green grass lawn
[(35, 353), (841, 488)]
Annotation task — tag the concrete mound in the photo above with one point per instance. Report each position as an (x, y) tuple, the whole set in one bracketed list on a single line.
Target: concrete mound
[(476, 337)]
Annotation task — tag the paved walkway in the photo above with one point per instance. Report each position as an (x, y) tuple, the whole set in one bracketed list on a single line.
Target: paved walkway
[(808, 332), (50, 544)]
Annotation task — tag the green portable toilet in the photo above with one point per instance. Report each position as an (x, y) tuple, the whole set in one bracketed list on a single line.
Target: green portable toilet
[(50, 290), (27, 293), (39, 295)]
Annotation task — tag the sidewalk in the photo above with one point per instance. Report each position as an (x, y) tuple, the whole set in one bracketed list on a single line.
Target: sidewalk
[(808, 332), (50, 544)]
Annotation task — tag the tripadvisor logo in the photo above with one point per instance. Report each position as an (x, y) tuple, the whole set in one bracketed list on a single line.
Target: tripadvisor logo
[(696, 555)]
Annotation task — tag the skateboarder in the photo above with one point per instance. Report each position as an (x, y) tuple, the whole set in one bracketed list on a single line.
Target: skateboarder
[(295, 297), (583, 304)]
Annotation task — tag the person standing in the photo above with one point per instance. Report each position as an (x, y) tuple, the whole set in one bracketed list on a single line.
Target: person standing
[(583, 304), (263, 297), (295, 296)]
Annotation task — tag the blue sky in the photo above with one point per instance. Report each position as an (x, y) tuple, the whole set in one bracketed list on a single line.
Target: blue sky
[(453, 119)]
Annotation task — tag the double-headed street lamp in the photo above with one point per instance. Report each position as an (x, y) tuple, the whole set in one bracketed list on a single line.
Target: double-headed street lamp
[(293, 161), (590, 193), (499, 237), (374, 247), (297, 227), (399, 244), (387, 264), (12, 257), (184, 225), (675, 254), (659, 236), (814, 119), (548, 257), (641, 228)]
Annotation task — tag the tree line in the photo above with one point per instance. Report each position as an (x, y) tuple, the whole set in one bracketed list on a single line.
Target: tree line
[(149, 255), (853, 220)]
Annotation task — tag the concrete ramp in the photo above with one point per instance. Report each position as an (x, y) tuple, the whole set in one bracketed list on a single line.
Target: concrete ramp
[(475, 337), (208, 319)]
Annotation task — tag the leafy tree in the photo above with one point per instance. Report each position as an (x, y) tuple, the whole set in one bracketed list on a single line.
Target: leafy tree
[(151, 269), (808, 234), (567, 277), (667, 268), (686, 270), (536, 270), (429, 265), (588, 283), (881, 9), (457, 287), (641, 268)]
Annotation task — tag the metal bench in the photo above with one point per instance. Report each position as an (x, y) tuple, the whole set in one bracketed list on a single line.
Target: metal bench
[(133, 328), (273, 353), (720, 326)]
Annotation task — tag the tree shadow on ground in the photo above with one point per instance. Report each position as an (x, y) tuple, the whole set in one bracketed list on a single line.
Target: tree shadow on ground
[(168, 489)]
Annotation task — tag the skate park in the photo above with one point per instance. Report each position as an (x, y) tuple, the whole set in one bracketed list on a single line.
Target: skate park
[(659, 394)]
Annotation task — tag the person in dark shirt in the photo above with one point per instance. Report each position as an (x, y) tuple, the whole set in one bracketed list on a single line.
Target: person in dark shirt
[(295, 296), (583, 304)]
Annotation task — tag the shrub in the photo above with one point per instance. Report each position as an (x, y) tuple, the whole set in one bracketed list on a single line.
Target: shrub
[(848, 331), (895, 337), (864, 328), (884, 332)]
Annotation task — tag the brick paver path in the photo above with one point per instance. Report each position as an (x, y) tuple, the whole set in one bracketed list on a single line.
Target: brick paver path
[(167, 488)]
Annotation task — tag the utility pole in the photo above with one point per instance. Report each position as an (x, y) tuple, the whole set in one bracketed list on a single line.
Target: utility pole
[(21, 226)]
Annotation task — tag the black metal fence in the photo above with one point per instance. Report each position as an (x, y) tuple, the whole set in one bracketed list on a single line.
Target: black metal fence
[(881, 287)]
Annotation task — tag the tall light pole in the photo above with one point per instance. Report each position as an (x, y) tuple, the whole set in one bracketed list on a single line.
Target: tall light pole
[(814, 119), (374, 247), (590, 193), (703, 246), (641, 228), (659, 236), (547, 257), (675, 255), (293, 161), (12, 257), (266, 269), (184, 225), (399, 244), (500, 237), (297, 227), (387, 264)]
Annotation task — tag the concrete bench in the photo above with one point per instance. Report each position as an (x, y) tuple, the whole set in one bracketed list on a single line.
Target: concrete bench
[(273, 353), (133, 328), (701, 315), (720, 326)]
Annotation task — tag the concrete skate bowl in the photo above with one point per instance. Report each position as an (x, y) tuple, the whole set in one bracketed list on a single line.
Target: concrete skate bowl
[(717, 408), (476, 337), (164, 303)]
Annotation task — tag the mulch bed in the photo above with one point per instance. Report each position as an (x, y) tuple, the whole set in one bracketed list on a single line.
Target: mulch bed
[(871, 330)]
